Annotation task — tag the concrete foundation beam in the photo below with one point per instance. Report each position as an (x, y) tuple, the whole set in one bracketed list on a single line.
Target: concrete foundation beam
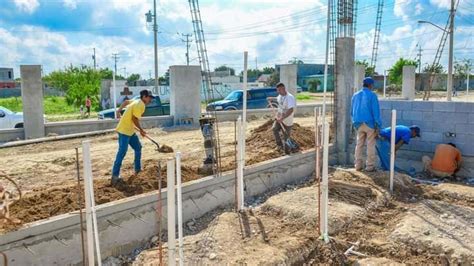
[(32, 97), (127, 224), (408, 83), (344, 90), (185, 94), (288, 76)]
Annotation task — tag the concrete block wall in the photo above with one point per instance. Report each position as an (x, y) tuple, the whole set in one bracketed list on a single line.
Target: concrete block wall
[(437, 121), (126, 224)]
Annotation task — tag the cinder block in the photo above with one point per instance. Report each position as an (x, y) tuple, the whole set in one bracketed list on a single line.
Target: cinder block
[(471, 118), (425, 126), (385, 104), (428, 116), (401, 105), (464, 138), (444, 106), (422, 106), (463, 107), (401, 122), (431, 137), (463, 128), (412, 115)]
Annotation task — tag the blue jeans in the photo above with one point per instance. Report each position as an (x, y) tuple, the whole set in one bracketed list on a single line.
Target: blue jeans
[(383, 150), (124, 141)]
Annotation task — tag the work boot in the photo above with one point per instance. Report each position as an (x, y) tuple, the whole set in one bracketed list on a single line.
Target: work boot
[(117, 181)]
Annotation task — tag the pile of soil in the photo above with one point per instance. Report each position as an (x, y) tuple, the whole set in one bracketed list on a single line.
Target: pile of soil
[(42, 203), (262, 137), (165, 149)]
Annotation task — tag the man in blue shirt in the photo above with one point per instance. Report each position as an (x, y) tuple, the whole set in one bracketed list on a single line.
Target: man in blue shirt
[(366, 120), (403, 134)]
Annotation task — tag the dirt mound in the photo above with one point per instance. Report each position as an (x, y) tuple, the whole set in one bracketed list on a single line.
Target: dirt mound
[(165, 149), (404, 188), (47, 202), (262, 136)]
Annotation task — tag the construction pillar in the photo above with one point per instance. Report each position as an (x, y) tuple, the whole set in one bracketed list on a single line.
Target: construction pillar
[(344, 89), (185, 94), (359, 75), (408, 83), (288, 76), (32, 97)]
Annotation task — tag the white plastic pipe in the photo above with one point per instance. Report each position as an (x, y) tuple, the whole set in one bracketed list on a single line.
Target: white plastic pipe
[(325, 88), (392, 148), (467, 84), (93, 246), (180, 208), (384, 83), (325, 186), (244, 109), (240, 166), (115, 95), (171, 213)]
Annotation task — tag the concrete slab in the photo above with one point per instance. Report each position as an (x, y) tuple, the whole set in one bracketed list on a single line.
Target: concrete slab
[(376, 261), (439, 227)]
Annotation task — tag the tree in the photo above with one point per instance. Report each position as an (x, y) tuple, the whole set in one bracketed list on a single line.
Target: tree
[(78, 82), (463, 68), (369, 70), (274, 78), (433, 69), (225, 68), (313, 85), (295, 61), (133, 78), (268, 70), (396, 71)]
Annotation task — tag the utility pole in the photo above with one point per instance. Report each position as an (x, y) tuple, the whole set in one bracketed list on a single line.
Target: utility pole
[(256, 63), (451, 45), (419, 58), (93, 57), (125, 72), (116, 57), (187, 41), (155, 34)]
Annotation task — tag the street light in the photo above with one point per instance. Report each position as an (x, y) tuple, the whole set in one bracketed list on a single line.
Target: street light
[(451, 45)]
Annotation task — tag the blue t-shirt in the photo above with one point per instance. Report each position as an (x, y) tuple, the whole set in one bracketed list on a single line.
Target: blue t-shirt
[(365, 109), (401, 133)]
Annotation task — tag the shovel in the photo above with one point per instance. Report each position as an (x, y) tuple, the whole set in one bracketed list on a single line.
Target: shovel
[(163, 148)]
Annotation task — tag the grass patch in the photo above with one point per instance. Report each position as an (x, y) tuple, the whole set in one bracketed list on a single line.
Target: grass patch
[(53, 105), (303, 96)]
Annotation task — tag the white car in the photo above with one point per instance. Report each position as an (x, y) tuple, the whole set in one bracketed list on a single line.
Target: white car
[(9, 119)]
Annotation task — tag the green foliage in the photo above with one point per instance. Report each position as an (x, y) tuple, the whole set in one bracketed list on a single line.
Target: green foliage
[(52, 105), (369, 70), (256, 73), (302, 97), (268, 70), (274, 78), (434, 69), (133, 78), (295, 61), (78, 82), (395, 73), (225, 68), (463, 68), (313, 85)]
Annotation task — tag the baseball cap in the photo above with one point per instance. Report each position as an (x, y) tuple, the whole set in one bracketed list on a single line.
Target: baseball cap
[(417, 130), (146, 93), (368, 81)]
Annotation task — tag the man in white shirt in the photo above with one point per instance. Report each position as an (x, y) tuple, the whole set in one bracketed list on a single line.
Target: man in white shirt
[(284, 117)]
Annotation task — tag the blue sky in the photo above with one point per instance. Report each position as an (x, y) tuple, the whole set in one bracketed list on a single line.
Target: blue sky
[(57, 33)]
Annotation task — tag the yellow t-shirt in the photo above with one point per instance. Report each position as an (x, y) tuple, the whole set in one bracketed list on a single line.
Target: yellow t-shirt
[(134, 109)]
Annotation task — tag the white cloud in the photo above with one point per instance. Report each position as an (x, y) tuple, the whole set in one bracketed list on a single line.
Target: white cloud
[(28, 6), (71, 4), (441, 3)]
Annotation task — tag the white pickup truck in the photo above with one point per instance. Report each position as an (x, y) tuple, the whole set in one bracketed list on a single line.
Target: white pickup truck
[(9, 119)]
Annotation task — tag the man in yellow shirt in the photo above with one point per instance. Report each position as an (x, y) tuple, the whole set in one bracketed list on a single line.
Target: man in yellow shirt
[(446, 162), (126, 133)]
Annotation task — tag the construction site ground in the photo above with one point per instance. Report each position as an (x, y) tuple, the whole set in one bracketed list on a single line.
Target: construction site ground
[(418, 224), (46, 172)]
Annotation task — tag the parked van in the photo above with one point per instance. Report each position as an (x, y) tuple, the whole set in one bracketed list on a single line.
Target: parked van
[(256, 99)]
